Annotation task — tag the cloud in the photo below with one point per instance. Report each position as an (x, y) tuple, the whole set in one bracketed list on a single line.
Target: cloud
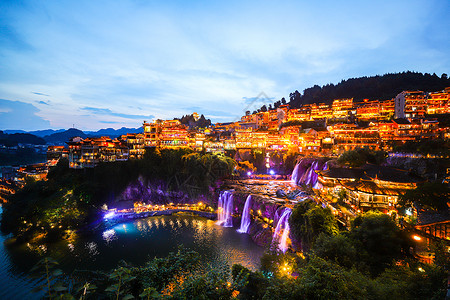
[(106, 111), (109, 122), (40, 94), (43, 102), (17, 114)]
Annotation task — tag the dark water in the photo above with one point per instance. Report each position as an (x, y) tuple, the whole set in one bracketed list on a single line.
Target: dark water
[(134, 241)]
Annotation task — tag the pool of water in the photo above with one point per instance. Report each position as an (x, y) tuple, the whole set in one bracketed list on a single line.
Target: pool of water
[(134, 241)]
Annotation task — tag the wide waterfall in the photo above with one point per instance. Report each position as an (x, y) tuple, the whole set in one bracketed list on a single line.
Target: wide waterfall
[(281, 234), (225, 209), (245, 218), (304, 171)]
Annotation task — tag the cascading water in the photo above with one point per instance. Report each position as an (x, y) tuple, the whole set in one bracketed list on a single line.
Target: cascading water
[(245, 219), (281, 238), (225, 209), (304, 171)]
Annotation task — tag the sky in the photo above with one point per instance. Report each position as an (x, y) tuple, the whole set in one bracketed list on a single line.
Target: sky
[(99, 64)]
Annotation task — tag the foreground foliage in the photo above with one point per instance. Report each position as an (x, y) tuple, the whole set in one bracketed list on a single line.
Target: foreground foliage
[(182, 276)]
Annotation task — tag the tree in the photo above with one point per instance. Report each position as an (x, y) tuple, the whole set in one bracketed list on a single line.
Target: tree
[(430, 195), (336, 248), (378, 240), (309, 220)]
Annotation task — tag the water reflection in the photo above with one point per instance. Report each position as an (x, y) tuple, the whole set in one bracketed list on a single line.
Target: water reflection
[(135, 242)]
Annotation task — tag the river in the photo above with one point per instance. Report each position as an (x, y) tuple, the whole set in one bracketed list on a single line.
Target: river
[(134, 241)]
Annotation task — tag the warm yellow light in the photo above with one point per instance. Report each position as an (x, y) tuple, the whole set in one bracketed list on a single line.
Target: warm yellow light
[(200, 203), (417, 238), (420, 269)]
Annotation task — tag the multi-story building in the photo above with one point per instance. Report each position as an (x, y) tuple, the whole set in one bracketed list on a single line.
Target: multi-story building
[(321, 111), (410, 104), (350, 136), (165, 134), (135, 143), (341, 107), (368, 110), (438, 102), (89, 152), (387, 109), (369, 187), (249, 139)]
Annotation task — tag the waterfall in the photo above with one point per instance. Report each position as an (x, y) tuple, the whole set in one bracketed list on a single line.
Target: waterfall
[(225, 209), (283, 224), (294, 176), (245, 218), (304, 171)]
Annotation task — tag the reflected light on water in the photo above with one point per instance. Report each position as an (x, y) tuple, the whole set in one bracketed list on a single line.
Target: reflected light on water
[(109, 235)]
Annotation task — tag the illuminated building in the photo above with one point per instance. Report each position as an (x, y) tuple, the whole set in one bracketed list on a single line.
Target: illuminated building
[(387, 109), (151, 133), (277, 142), (35, 171), (350, 136), (410, 104), (165, 134), (89, 152), (55, 153), (248, 139), (173, 134), (135, 143), (321, 111), (341, 107), (433, 224), (438, 102), (309, 141), (369, 187), (368, 110), (299, 114)]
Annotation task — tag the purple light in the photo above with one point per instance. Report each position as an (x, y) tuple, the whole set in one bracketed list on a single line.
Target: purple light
[(109, 215), (272, 172), (249, 173)]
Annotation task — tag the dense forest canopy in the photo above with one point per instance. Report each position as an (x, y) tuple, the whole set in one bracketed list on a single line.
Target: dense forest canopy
[(374, 87)]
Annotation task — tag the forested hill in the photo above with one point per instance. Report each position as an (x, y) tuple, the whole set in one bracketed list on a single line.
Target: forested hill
[(375, 87)]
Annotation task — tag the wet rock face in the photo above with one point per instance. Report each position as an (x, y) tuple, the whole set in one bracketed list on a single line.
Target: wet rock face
[(148, 192), (260, 235)]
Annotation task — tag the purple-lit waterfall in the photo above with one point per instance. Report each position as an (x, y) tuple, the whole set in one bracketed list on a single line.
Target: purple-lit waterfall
[(225, 209), (281, 238), (245, 218), (304, 171)]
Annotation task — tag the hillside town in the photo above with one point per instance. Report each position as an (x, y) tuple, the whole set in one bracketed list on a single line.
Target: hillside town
[(314, 129)]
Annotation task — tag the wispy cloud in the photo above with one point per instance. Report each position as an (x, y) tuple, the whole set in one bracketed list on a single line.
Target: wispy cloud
[(40, 94), (106, 111), (17, 114), (102, 57), (43, 102)]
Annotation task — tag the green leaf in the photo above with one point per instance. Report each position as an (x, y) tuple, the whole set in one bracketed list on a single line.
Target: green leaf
[(111, 289), (57, 272), (128, 296), (59, 288)]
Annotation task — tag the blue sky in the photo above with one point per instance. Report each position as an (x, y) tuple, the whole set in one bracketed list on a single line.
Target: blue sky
[(97, 64)]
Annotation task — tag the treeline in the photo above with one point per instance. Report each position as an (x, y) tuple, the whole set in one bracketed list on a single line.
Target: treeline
[(20, 156), (371, 261), (374, 88), (72, 199), (190, 121), (11, 140)]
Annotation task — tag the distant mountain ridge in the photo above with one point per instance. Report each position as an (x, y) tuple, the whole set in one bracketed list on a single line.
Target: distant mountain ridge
[(11, 138)]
